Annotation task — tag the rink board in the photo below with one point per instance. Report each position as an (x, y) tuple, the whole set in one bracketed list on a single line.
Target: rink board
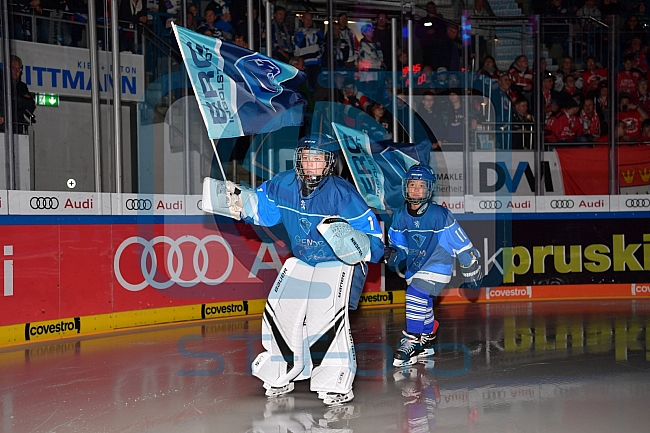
[(79, 263)]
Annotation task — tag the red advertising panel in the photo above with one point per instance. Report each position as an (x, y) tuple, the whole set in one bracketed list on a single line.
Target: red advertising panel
[(70, 270), (31, 268)]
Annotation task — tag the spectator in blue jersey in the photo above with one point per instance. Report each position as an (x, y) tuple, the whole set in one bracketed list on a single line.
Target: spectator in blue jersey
[(225, 26), (428, 237), (309, 45), (209, 28), (371, 65), (282, 45), (346, 45), (307, 309)]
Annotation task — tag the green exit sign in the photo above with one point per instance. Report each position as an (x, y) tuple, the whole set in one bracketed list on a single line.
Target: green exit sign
[(47, 99)]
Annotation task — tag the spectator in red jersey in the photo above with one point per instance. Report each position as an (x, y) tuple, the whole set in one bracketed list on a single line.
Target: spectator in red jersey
[(645, 133), (638, 52), (641, 96), (631, 115), (355, 99), (564, 126), (626, 78), (590, 120), (521, 76), (592, 75)]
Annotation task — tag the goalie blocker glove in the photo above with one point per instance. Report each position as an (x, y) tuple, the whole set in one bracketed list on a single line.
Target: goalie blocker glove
[(472, 273), (350, 246)]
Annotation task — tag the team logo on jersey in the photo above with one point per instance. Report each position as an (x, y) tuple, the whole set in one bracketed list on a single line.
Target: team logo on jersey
[(263, 77), (305, 225), (418, 239)]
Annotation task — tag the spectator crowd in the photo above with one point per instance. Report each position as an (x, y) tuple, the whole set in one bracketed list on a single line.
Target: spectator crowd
[(574, 97)]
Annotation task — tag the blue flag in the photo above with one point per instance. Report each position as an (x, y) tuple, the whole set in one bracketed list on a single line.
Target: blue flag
[(240, 92), (379, 167)]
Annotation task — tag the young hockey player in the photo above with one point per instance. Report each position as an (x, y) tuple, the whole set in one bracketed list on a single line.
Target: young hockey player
[(428, 237), (305, 326)]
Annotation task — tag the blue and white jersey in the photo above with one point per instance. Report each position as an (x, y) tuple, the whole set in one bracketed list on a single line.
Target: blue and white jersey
[(429, 242), (280, 201), (309, 45)]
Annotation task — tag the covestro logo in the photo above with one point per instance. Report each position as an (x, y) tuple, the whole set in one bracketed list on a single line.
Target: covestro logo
[(640, 289), (224, 309), (507, 292), (64, 327), (376, 298)]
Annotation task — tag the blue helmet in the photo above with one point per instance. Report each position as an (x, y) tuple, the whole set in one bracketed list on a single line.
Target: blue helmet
[(316, 145), (419, 172)]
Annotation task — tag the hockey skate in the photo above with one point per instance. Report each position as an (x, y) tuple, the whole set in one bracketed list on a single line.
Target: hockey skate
[(335, 399), (408, 350), (273, 392), (427, 341)]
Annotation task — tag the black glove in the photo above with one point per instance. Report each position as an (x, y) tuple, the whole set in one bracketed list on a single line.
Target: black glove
[(390, 254), (473, 275)]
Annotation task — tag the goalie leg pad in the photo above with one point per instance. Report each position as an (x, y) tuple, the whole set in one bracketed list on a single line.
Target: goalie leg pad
[(328, 328), (283, 334), (350, 245)]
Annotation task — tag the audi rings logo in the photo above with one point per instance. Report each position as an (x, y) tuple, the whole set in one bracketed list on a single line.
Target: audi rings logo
[(490, 204), (562, 204), (173, 272), (637, 202), (138, 204), (44, 203)]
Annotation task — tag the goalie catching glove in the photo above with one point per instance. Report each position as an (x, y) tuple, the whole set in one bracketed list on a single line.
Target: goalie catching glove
[(350, 246), (224, 198), (472, 273)]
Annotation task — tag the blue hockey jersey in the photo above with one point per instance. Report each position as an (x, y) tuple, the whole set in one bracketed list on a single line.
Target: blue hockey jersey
[(280, 201), (429, 242)]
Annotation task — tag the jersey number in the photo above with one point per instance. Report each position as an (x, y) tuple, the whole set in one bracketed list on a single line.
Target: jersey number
[(461, 234)]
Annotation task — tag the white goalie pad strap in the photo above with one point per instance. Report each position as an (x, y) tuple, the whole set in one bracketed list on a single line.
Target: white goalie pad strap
[(350, 245), (224, 198), (282, 326), (328, 328)]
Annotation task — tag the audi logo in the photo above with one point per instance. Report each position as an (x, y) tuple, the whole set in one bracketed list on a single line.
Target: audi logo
[(562, 204), (44, 203), (637, 202), (490, 204), (138, 204), (173, 270)]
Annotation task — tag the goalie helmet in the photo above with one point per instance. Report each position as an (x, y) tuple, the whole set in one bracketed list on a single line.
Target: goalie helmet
[(315, 158), (423, 173)]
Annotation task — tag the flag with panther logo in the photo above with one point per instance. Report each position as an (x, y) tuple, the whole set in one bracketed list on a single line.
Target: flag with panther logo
[(240, 92)]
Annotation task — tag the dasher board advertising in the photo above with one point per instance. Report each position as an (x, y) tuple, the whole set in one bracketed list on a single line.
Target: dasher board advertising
[(65, 71)]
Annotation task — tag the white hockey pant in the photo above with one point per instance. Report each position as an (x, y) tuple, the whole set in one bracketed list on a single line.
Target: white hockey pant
[(306, 328)]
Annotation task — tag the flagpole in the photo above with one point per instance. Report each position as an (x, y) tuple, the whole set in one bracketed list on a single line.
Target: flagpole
[(216, 154)]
